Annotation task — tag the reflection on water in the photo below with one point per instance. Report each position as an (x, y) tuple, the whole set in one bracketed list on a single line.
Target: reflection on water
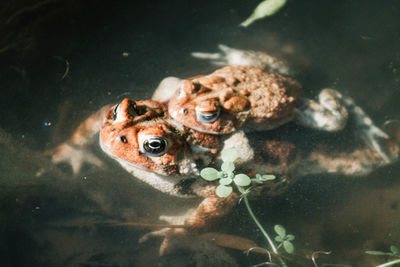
[(51, 217)]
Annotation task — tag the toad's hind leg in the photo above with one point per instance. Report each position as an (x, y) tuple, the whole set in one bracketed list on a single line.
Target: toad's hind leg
[(237, 57), (359, 161), (328, 114), (371, 134), (331, 114)]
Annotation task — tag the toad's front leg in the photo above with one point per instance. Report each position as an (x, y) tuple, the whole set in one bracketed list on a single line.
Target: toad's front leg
[(73, 151), (209, 210)]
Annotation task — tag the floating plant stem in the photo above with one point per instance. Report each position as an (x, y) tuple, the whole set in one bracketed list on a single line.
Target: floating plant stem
[(390, 263), (250, 211), (394, 252), (227, 179)]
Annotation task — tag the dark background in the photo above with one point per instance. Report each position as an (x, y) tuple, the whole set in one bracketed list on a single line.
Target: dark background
[(352, 46), (349, 45)]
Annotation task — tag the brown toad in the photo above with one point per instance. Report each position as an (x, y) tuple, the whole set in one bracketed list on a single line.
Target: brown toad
[(243, 96), (139, 136)]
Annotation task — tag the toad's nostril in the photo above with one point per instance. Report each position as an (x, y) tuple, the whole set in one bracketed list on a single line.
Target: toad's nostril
[(123, 139), (196, 87)]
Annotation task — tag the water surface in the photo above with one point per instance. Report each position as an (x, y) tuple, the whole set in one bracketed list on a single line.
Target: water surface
[(63, 60)]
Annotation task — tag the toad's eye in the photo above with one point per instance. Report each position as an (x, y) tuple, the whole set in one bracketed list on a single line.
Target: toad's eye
[(114, 113), (155, 146), (207, 117)]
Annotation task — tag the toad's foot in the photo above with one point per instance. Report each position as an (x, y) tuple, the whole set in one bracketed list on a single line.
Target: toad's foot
[(74, 156), (392, 128), (202, 252), (392, 144), (212, 207), (328, 114), (232, 56), (167, 234), (331, 114), (372, 135)]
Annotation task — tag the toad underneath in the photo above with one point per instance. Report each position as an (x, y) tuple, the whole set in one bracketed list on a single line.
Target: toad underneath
[(139, 136), (146, 139)]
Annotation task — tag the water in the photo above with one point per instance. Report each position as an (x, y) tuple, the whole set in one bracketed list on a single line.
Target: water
[(68, 60)]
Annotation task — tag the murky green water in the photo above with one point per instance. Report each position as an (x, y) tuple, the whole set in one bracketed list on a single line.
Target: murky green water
[(60, 61)]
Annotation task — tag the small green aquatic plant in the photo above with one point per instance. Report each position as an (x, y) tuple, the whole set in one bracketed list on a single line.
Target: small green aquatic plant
[(283, 239), (227, 178), (394, 252)]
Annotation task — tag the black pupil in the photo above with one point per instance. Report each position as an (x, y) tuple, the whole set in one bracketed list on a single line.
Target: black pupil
[(154, 146)]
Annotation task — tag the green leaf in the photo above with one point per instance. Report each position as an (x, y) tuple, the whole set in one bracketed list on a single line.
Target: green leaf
[(280, 230), (279, 239), (223, 191), (229, 154), (395, 250), (267, 177), (256, 181), (264, 9), (288, 246), (289, 237), (225, 181), (228, 166), (242, 180), (210, 174), (378, 253)]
